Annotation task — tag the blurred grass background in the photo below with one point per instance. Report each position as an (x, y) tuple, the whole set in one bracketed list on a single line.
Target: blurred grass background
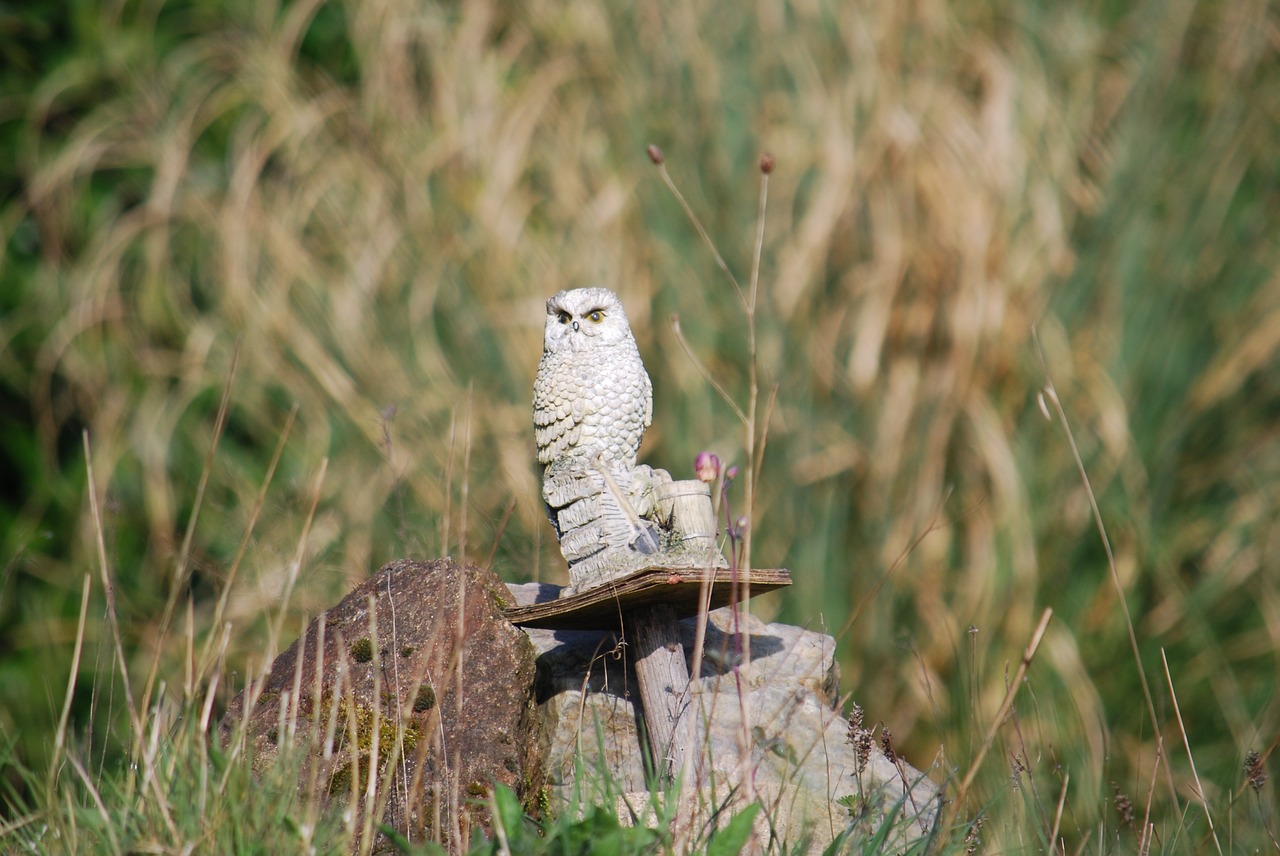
[(372, 201)]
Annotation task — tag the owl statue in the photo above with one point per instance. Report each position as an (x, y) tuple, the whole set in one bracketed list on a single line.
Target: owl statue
[(592, 400), (592, 395)]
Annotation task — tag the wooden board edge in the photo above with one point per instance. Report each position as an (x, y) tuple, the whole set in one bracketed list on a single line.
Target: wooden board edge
[(635, 587)]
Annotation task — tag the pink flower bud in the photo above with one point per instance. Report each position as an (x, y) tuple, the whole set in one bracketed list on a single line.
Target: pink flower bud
[(707, 466)]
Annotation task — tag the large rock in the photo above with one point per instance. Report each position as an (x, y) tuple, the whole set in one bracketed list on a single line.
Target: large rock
[(418, 674), (804, 767)]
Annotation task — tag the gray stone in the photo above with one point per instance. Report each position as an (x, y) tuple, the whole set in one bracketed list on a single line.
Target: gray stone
[(804, 769)]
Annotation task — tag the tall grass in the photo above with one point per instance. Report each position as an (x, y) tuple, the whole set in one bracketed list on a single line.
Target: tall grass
[(363, 205)]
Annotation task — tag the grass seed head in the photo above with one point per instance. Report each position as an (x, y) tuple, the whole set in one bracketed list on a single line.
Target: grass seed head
[(1255, 771)]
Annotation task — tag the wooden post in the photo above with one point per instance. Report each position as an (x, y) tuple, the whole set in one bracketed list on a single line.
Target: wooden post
[(661, 671), (651, 603), (663, 678)]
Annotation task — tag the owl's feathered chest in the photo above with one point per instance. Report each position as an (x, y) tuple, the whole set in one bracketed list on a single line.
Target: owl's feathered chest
[(588, 364), (591, 401)]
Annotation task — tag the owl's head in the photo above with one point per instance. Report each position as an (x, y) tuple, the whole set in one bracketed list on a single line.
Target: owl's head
[(583, 318)]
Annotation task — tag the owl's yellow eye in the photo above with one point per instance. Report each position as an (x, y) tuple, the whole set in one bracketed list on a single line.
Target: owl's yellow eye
[(564, 317), (596, 315)]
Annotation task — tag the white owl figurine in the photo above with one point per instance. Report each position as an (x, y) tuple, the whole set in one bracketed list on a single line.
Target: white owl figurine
[(592, 400), (592, 395)]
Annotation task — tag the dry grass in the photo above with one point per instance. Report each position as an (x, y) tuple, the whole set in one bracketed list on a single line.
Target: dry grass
[(368, 203)]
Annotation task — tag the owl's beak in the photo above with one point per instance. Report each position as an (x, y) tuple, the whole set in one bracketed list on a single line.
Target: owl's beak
[(575, 326)]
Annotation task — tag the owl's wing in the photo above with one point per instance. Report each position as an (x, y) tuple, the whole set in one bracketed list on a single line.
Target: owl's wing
[(558, 411), (553, 435), (648, 398)]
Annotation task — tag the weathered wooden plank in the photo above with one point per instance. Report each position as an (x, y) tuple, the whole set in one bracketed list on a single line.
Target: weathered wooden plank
[(602, 607)]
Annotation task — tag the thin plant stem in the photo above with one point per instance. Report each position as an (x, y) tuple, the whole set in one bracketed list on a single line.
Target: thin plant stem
[(963, 790), (749, 483), (741, 560), (1144, 843), (299, 556), (60, 736), (181, 569), (702, 232), (1050, 393), (702, 370), (1057, 816), (446, 521), (150, 776), (933, 526), (224, 597), (375, 762), (211, 691), (464, 500), (112, 616), (695, 675), (1173, 695), (107, 823)]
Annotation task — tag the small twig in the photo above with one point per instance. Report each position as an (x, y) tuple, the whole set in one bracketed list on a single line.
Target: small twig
[(741, 559), (386, 416), (1026, 761), (353, 755), (1187, 745)]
